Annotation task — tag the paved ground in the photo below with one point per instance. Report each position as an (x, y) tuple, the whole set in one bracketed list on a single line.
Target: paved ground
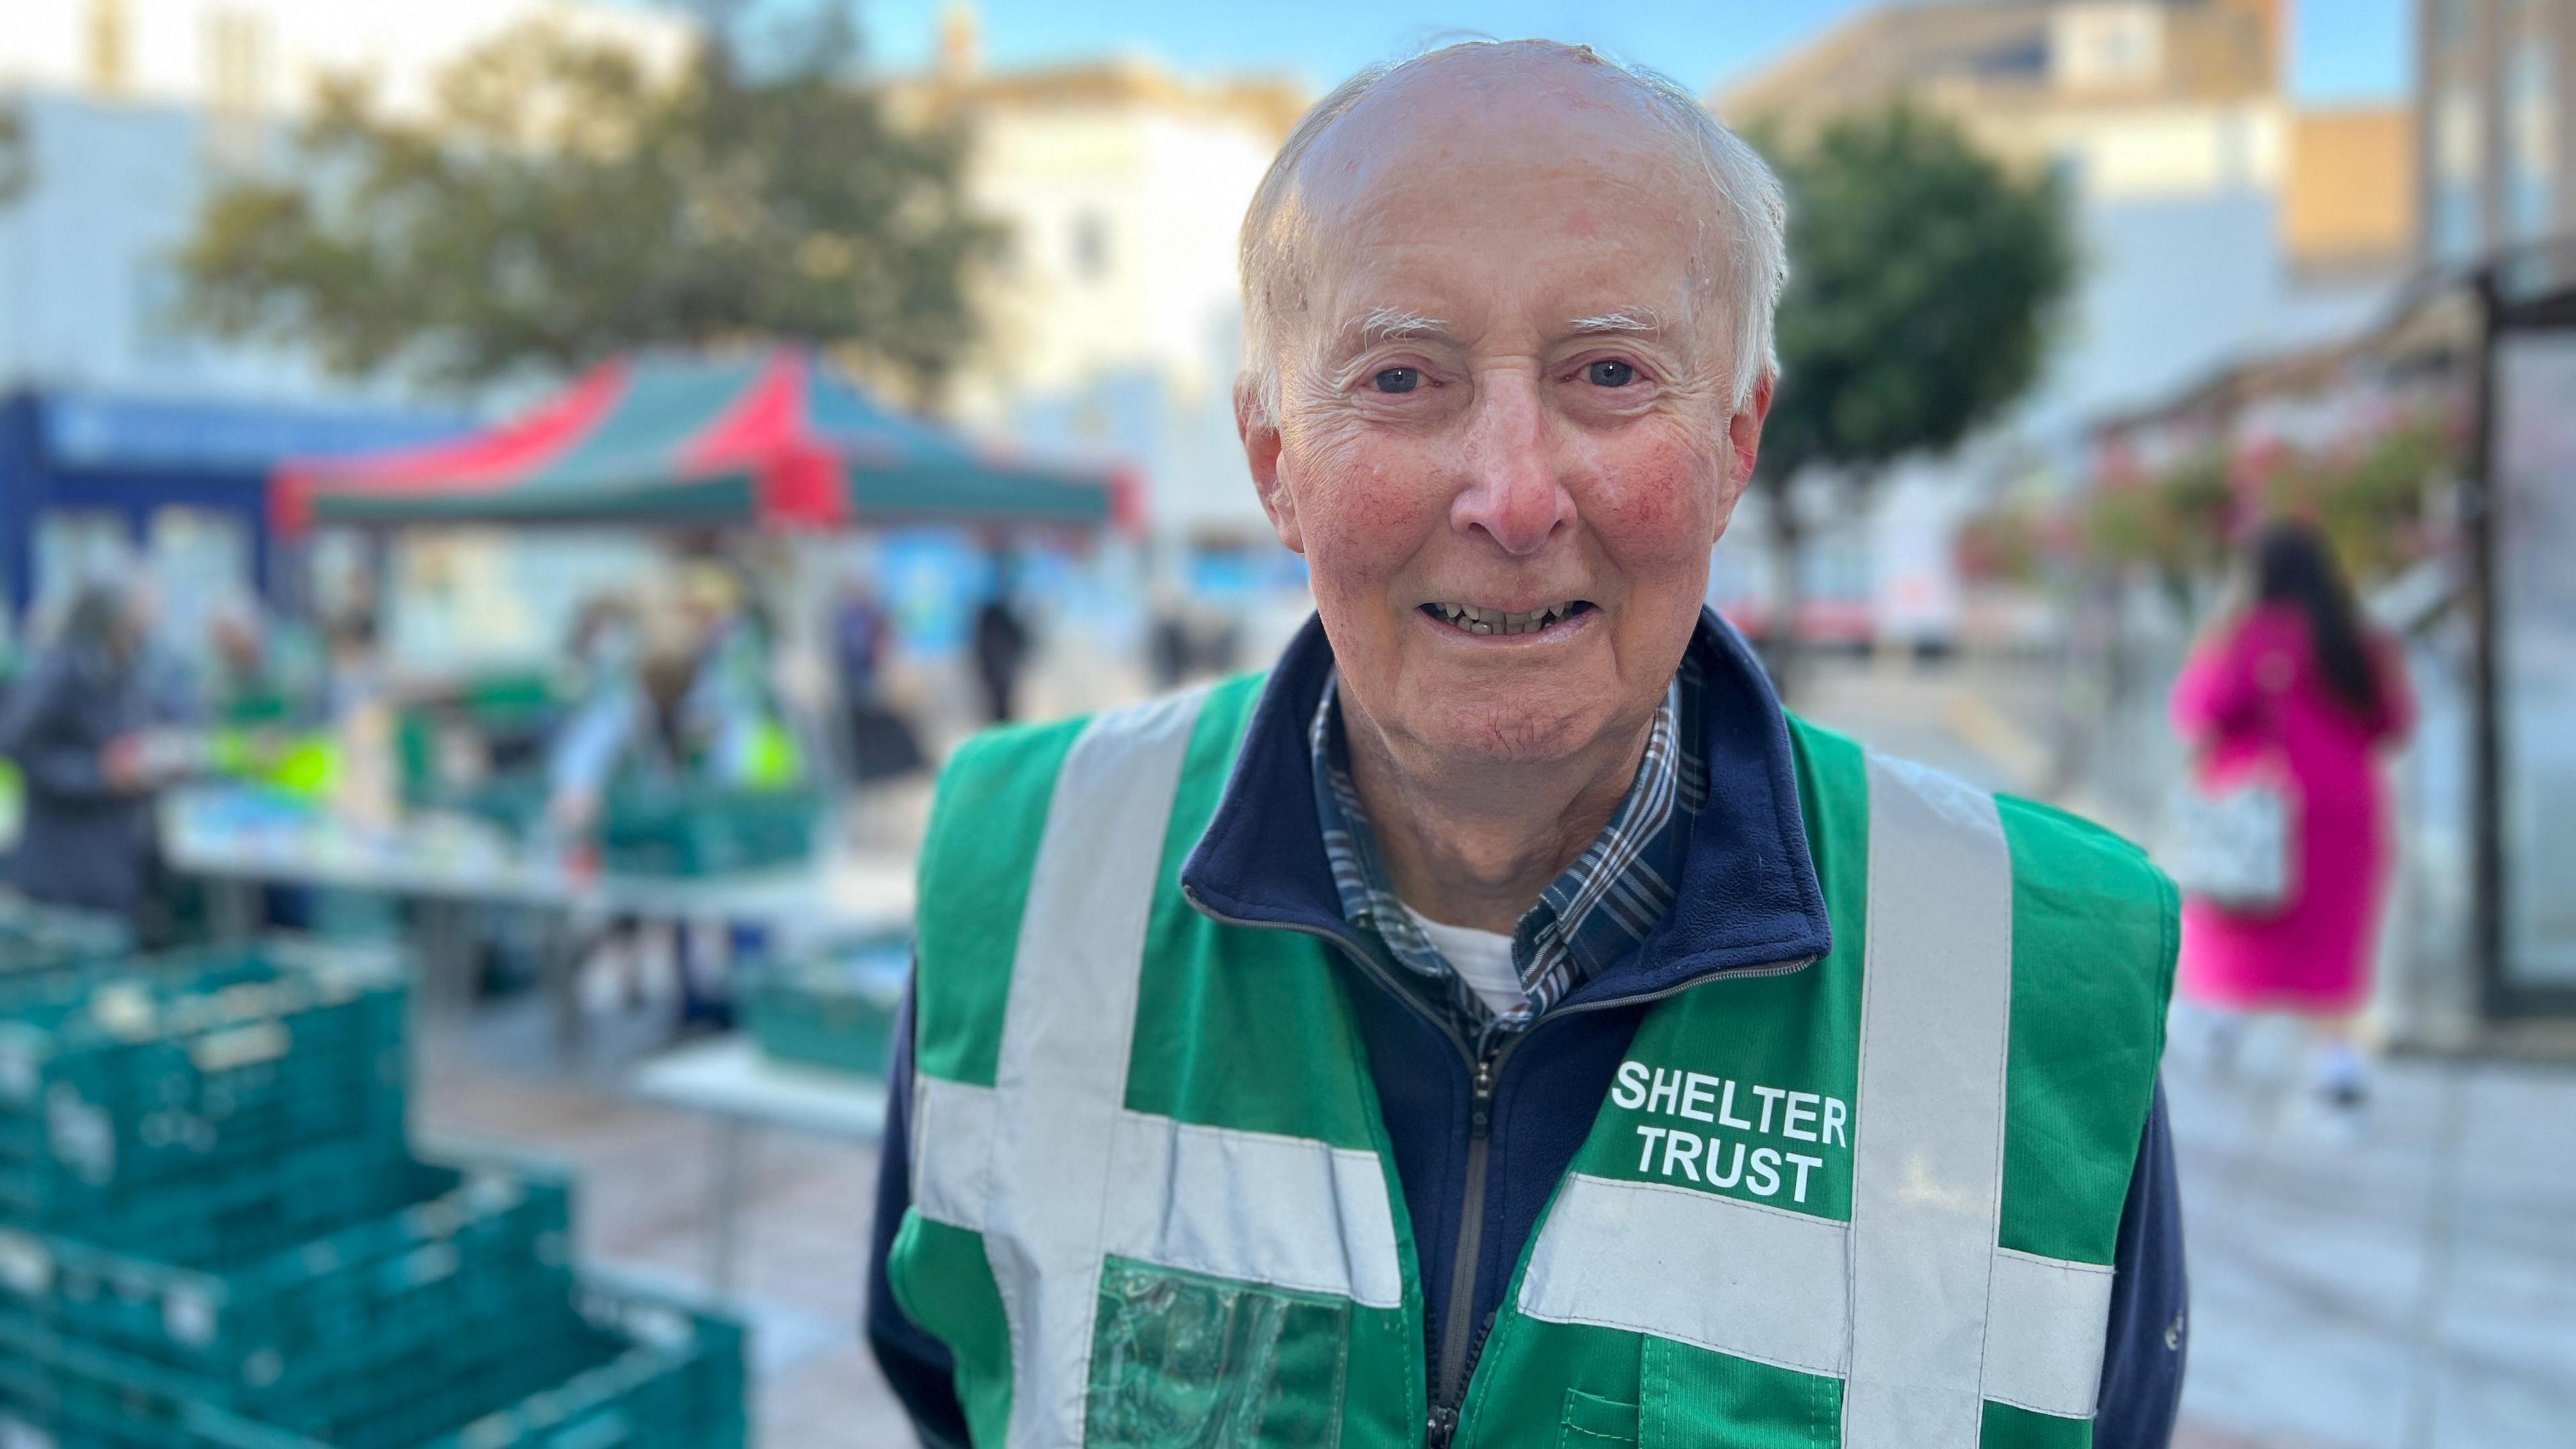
[(645, 1173), (2415, 1289)]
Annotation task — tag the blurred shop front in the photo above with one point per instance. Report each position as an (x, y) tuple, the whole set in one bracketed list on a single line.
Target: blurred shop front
[(95, 481), (2439, 451), (2523, 594)]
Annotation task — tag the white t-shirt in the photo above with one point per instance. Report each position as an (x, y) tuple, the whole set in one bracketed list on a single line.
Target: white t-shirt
[(1482, 959)]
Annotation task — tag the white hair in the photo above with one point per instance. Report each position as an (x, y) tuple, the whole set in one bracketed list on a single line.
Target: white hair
[(1747, 203)]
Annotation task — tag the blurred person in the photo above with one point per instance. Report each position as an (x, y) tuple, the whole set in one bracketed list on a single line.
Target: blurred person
[(361, 710), (242, 689), (261, 689), (2297, 690), (862, 636), (603, 642), (1170, 649), (1503, 1024), (722, 611), (665, 724), (880, 739), (1001, 648), (91, 736), (733, 692)]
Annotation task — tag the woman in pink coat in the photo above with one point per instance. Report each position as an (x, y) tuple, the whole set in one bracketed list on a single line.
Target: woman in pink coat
[(2299, 687)]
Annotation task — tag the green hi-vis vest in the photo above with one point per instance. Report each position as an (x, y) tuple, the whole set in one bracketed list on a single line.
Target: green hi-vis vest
[(1867, 1203)]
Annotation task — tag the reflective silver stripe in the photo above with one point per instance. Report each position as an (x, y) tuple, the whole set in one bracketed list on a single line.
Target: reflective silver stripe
[(2045, 1323), (1287, 1211), (952, 1151), (1290, 1212), (1928, 1119), (1686, 1264), (1066, 1030), (1773, 1286)]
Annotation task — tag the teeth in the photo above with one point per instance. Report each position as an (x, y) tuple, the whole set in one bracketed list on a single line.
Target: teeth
[(1476, 620)]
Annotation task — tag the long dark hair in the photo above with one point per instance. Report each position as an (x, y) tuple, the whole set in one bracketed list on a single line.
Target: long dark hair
[(2292, 565)]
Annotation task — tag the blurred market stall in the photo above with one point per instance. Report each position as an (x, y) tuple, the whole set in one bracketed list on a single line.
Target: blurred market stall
[(768, 439), (767, 448)]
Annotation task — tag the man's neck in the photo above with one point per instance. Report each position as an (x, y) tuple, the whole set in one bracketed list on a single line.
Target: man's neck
[(1474, 845)]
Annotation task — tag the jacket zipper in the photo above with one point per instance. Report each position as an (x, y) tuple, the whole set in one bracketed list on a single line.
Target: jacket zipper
[(1461, 1341), (1450, 1389)]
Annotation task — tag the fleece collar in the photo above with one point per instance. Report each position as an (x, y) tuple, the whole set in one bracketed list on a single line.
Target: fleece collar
[(1748, 895)]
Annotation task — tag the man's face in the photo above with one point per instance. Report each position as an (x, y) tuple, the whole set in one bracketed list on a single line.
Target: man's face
[(1504, 440)]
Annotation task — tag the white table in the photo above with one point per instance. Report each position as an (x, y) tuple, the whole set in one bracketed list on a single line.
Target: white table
[(448, 866), (739, 1090)]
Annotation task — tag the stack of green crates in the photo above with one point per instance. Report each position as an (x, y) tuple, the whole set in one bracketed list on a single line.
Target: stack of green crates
[(447, 1269), (172, 1101), (603, 1367), (665, 828), (833, 1008), (214, 1235)]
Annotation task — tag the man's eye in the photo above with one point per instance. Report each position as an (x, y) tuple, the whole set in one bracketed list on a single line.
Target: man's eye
[(1397, 379), (1609, 373)]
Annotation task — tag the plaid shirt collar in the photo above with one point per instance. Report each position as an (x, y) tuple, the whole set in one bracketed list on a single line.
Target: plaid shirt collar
[(1590, 916)]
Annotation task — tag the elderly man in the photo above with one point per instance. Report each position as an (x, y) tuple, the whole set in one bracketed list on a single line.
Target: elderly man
[(1501, 1024)]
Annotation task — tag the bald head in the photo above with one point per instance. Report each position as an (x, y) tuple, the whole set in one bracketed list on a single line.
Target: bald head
[(1477, 117)]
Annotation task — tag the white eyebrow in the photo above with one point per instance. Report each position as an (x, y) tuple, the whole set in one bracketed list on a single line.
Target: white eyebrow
[(1388, 323), (1382, 324), (1626, 319)]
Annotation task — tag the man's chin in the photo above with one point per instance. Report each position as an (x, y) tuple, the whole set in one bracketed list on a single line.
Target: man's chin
[(1508, 733)]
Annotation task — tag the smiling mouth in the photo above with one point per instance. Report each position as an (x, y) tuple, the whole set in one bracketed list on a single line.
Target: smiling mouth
[(1471, 619)]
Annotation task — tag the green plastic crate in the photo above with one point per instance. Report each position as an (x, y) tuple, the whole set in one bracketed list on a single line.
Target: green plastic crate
[(123, 1091), (38, 943), (304, 1332), (515, 803), (607, 1368), (834, 1008), (696, 831), (258, 1205), (663, 829)]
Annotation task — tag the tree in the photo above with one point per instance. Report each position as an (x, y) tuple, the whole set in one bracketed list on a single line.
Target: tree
[(1922, 281), (561, 202)]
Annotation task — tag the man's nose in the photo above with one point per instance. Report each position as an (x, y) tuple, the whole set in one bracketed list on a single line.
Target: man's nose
[(1512, 489)]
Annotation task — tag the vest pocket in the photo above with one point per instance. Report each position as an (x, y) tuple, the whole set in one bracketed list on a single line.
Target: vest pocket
[(1591, 1422), (1690, 1397), (1182, 1361)]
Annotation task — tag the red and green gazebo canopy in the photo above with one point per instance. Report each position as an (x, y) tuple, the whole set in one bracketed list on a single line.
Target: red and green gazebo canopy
[(771, 438)]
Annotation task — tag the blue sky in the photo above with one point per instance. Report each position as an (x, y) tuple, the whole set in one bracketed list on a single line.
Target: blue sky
[(2342, 50)]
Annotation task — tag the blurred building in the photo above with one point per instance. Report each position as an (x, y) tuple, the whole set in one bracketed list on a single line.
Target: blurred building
[(2495, 121), (93, 485), (130, 111), (125, 436), (2214, 221), (1115, 320), (2348, 202), (265, 57)]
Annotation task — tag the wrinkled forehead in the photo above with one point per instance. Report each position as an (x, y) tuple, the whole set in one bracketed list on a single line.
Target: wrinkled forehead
[(1550, 173)]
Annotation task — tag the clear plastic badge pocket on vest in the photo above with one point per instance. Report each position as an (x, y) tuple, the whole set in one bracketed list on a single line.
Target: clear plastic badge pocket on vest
[(1181, 1361)]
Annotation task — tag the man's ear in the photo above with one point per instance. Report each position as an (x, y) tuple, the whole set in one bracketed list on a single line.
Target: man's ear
[(1744, 431), (1254, 423)]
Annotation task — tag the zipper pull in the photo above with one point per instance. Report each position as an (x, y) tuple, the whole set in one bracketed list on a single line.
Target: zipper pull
[(1480, 1104), (1444, 1426)]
